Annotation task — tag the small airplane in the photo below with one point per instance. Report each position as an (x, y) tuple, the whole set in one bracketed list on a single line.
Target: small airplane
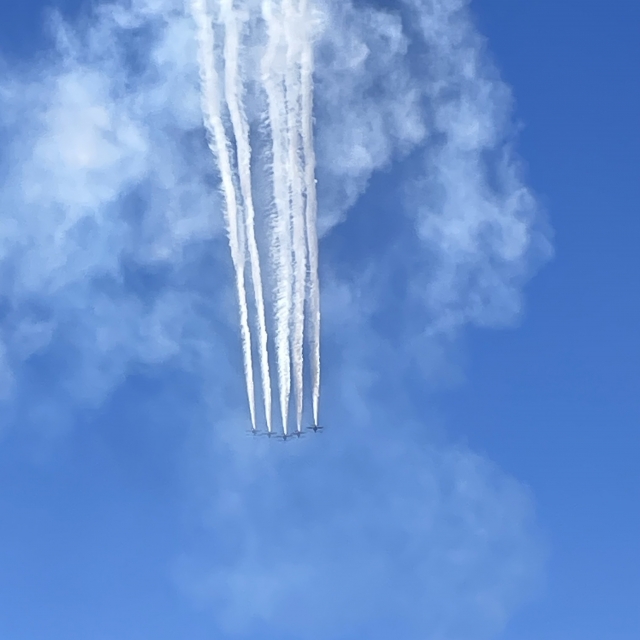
[(298, 434), (316, 427), (253, 432)]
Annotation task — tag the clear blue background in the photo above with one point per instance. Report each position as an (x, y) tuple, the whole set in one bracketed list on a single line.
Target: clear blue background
[(557, 401), (554, 401)]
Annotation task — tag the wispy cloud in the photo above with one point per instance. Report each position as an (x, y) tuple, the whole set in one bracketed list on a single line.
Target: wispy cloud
[(106, 174), (365, 531), (111, 254)]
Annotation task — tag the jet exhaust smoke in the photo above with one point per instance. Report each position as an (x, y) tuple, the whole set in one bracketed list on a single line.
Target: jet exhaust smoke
[(219, 145), (311, 204), (234, 93), (285, 79), (294, 166)]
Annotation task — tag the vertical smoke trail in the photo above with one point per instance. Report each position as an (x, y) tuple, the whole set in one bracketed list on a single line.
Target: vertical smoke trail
[(234, 93), (273, 84), (292, 97), (311, 204), (219, 146)]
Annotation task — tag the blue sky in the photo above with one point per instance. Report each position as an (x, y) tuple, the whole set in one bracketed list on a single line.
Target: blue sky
[(478, 477)]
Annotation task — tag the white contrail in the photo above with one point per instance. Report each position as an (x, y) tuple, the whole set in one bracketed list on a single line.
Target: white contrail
[(234, 91), (294, 170), (219, 145), (311, 204), (273, 84)]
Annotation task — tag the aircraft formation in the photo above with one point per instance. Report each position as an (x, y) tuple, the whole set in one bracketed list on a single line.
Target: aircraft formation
[(273, 239), (299, 433)]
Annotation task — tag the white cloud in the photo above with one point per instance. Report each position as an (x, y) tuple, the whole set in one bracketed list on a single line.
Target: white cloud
[(109, 179), (361, 532), (108, 159), (106, 165), (368, 102)]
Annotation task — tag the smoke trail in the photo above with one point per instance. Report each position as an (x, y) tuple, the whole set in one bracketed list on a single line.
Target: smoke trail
[(292, 98), (311, 204), (234, 93), (286, 72), (273, 84), (219, 146)]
